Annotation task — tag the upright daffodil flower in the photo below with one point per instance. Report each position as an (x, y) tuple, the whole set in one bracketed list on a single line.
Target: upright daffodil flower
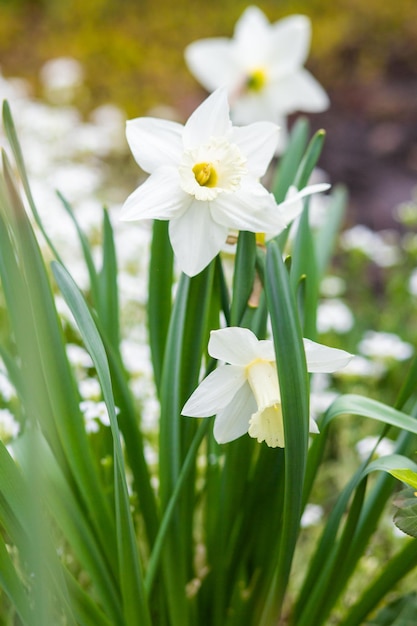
[(204, 179), (244, 393), (262, 67)]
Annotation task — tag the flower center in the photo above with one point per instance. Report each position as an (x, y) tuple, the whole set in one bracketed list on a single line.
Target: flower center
[(212, 168), (266, 424), (256, 80), (205, 174)]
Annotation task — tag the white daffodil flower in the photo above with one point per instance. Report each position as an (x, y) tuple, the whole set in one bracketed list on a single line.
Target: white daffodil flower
[(204, 179), (244, 393), (261, 66)]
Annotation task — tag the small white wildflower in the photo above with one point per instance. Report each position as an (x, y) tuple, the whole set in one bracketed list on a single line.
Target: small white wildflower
[(312, 515), (332, 286), (381, 247), (334, 315), (95, 413), (382, 345), (412, 283), (361, 367), (7, 390), (365, 446), (89, 388), (9, 427), (78, 356)]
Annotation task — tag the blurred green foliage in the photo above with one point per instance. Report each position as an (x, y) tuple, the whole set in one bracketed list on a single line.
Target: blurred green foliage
[(132, 50)]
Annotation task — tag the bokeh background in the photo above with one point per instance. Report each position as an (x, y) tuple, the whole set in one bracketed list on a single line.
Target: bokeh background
[(364, 54)]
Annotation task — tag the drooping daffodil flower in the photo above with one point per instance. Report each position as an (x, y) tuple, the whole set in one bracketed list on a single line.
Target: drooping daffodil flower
[(205, 179), (262, 67), (244, 393)]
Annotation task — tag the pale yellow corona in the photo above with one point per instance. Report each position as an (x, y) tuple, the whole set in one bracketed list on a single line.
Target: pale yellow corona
[(267, 423)]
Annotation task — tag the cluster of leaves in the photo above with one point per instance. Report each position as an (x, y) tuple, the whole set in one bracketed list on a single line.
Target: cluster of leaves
[(217, 541)]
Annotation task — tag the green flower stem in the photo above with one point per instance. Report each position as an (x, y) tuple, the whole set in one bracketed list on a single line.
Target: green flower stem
[(293, 381), (169, 511), (159, 295), (243, 277), (186, 342)]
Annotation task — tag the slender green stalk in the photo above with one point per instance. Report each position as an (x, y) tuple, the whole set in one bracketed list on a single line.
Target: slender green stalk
[(293, 383)]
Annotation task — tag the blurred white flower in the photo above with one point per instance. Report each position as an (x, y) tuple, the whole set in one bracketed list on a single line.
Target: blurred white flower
[(7, 390), (244, 394), (78, 356), (95, 413), (381, 345), (204, 179), (312, 515), (261, 66), (61, 77), (332, 286), (361, 367), (334, 315), (9, 427), (89, 388), (365, 446), (381, 247), (412, 283)]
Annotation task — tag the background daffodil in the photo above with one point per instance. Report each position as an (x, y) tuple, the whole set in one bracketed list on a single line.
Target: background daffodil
[(262, 67), (244, 393)]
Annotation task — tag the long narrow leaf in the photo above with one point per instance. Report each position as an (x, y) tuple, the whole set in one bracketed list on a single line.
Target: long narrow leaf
[(131, 579), (292, 372)]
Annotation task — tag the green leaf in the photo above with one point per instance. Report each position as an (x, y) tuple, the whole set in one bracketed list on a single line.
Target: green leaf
[(290, 161), (131, 580), (85, 246), (108, 306), (293, 382), (159, 295), (49, 392), (11, 134), (304, 276), (400, 612), (406, 515), (310, 159), (396, 568), (406, 476), (243, 277), (326, 237)]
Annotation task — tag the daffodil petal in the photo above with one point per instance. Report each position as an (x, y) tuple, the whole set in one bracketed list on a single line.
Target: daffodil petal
[(238, 346), (251, 37), (293, 205), (210, 119), (249, 108), (154, 142), (299, 91), (196, 238), (215, 392), (159, 197), (233, 421), (211, 62), (291, 33), (258, 142), (250, 208), (321, 358)]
